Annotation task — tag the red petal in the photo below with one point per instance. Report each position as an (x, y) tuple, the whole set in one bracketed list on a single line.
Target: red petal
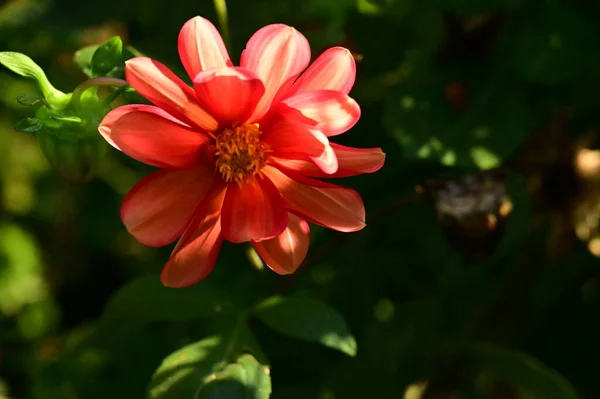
[(327, 160), (277, 54), (284, 253), (228, 94), (328, 205), (332, 112), (292, 139), (151, 138), (335, 69), (196, 252), (160, 206), (351, 162), (162, 87), (109, 120), (201, 47), (253, 211)]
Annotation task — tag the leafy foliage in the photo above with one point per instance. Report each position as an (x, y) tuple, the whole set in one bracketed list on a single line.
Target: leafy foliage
[(209, 369), (307, 319), (246, 379), (106, 57), (146, 300)]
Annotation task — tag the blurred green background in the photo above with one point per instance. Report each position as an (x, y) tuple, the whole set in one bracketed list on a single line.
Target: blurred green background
[(477, 275)]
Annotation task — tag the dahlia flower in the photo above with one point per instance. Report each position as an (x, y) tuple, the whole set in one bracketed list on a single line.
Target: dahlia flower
[(239, 151)]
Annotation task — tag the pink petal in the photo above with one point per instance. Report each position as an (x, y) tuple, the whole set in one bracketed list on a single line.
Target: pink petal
[(253, 211), (160, 206), (335, 69), (328, 205), (107, 123), (161, 141), (162, 87), (351, 161), (327, 160), (196, 252), (277, 54), (331, 112), (201, 47), (289, 138), (284, 253), (228, 94)]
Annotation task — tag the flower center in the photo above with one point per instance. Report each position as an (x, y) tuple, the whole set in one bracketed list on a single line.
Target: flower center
[(239, 152)]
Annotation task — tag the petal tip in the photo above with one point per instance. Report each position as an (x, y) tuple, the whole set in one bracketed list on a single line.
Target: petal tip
[(136, 60), (170, 282), (353, 229), (171, 279), (381, 161), (343, 51), (359, 224)]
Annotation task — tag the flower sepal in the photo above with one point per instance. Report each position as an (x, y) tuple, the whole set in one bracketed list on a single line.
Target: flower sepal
[(70, 141)]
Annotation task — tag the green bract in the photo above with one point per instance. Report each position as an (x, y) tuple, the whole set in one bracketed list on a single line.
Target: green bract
[(72, 144), (24, 66)]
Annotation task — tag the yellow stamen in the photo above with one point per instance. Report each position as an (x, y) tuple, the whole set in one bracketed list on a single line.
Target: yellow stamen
[(240, 153)]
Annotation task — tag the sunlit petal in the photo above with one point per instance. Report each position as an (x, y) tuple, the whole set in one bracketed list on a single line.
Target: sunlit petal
[(284, 253), (196, 252), (332, 206), (160, 206), (201, 47), (164, 89)]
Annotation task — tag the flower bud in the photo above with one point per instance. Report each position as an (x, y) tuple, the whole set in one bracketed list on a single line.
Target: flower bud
[(72, 145), (66, 124)]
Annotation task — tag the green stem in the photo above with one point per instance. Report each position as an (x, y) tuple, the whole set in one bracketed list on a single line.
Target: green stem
[(221, 8), (116, 94), (79, 90), (235, 332), (134, 51)]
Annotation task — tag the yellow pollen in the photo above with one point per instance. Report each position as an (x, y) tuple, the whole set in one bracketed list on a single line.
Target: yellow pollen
[(240, 153)]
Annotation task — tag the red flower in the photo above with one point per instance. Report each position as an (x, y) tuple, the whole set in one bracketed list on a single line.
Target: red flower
[(239, 152)]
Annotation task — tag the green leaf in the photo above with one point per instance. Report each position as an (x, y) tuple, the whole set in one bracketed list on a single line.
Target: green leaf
[(495, 122), (245, 379), (24, 66), (28, 125), (549, 43), (107, 56), (29, 99), (307, 319), (186, 371), (524, 371), (83, 59), (146, 300)]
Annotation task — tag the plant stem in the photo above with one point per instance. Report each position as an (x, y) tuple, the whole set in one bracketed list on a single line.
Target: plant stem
[(221, 8), (79, 90)]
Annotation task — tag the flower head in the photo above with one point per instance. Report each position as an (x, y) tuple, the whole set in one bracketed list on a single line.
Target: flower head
[(239, 152)]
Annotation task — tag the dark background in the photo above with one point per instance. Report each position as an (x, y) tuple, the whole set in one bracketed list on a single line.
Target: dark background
[(487, 111)]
